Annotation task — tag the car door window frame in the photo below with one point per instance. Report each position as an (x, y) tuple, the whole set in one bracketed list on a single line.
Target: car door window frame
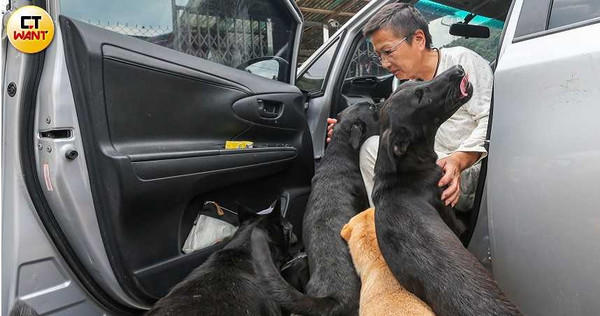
[(534, 23), (554, 9), (336, 41), (356, 41), (320, 106)]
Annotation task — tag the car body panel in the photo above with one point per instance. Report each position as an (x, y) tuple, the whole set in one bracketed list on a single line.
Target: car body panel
[(66, 186), (543, 171)]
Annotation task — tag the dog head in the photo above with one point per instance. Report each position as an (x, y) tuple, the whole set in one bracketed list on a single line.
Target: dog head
[(359, 232), (278, 228), (415, 111), (357, 123)]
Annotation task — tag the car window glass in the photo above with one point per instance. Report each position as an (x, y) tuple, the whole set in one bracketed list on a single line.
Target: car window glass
[(565, 12), (231, 33), (313, 79), (364, 62), (441, 17)]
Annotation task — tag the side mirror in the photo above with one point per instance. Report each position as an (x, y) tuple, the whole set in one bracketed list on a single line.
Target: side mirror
[(468, 30), (271, 67)]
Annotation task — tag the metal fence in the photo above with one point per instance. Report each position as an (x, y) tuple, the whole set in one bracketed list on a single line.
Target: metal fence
[(206, 29), (364, 62), (202, 29), (135, 30)]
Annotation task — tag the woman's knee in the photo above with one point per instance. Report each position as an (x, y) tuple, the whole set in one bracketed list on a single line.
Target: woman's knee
[(368, 153)]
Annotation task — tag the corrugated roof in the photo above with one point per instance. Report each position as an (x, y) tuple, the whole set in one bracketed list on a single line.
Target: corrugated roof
[(318, 12), (321, 11)]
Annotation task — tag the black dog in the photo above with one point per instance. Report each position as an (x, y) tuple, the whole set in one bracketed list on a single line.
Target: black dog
[(226, 284), (338, 193), (423, 254)]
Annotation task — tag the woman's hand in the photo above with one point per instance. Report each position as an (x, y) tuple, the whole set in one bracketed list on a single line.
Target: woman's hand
[(331, 123), (452, 166)]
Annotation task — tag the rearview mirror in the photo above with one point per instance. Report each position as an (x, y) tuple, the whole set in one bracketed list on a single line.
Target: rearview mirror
[(469, 31)]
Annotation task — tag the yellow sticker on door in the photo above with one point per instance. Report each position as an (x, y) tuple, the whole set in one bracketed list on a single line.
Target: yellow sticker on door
[(231, 144)]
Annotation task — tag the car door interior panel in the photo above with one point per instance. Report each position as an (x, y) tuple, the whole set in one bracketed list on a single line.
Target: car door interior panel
[(154, 123), (212, 164), (376, 87)]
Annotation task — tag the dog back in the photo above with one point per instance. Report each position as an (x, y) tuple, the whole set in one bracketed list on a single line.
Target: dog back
[(338, 193), (380, 293), (412, 224), (227, 283)]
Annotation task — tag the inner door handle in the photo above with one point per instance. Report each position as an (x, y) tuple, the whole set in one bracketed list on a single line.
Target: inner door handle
[(269, 109)]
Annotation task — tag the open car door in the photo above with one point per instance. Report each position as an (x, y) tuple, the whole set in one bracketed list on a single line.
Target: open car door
[(122, 141)]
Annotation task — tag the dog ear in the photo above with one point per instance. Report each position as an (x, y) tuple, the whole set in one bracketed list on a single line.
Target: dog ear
[(279, 228), (244, 213), (356, 133), (399, 147), (346, 232), (385, 139), (401, 141), (396, 141), (272, 216), (279, 220), (396, 144), (370, 214)]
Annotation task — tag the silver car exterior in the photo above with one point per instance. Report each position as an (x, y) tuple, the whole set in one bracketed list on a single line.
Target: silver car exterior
[(541, 196), (543, 171)]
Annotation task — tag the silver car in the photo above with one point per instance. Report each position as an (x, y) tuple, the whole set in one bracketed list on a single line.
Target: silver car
[(116, 136)]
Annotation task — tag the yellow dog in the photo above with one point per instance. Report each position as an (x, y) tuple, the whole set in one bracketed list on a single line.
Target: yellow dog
[(380, 293)]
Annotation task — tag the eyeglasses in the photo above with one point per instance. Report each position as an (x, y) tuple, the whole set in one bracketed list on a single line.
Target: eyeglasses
[(384, 55)]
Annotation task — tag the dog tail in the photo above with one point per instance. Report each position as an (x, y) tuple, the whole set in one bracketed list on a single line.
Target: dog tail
[(21, 308), (282, 292)]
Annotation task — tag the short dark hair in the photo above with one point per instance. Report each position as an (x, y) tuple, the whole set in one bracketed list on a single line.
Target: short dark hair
[(403, 19)]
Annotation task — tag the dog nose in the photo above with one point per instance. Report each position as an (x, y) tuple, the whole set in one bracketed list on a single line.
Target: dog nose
[(456, 73), (460, 71)]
